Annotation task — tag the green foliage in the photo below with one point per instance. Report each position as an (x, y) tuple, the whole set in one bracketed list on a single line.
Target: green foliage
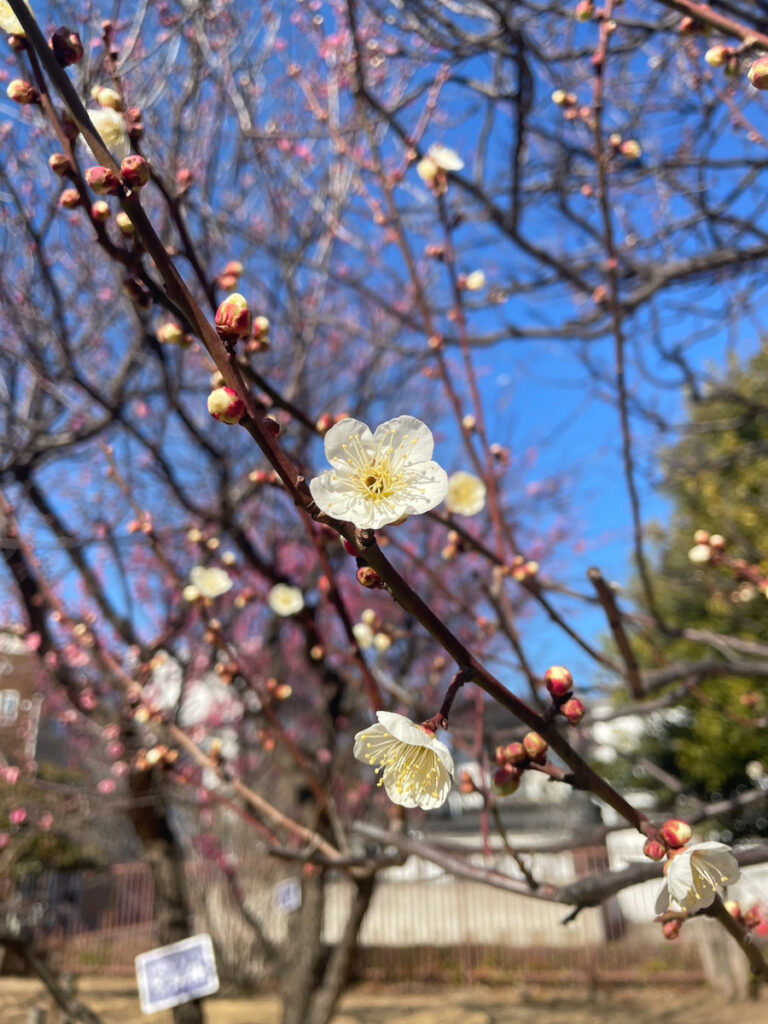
[(716, 478)]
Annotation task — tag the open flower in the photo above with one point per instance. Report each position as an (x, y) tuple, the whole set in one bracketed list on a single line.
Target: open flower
[(285, 600), (210, 582), (695, 876), (466, 494), (379, 478), (110, 124), (416, 767)]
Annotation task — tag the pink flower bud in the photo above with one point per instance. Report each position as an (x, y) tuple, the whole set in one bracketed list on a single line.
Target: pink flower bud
[(559, 681), (100, 211), (324, 423), (226, 405), (103, 181), (515, 753), (506, 779), (733, 909), (369, 578), (4, 840), (22, 92), (654, 850), (46, 821), (717, 542), (535, 747), (584, 10), (758, 73), (17, 816), (260, 327), (69, 198), (671, 929), (67, 47), (753, 918), (675, 833), (135, 171), (574, 710), (235, 268), (58, 164), (233, 318), (630, 149)]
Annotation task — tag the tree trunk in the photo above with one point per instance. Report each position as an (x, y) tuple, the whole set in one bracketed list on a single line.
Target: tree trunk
[(165, 857), (301, 963)]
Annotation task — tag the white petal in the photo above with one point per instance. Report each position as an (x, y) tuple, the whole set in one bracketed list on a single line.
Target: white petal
[(402, 728), (341, 434), (428, 486), (370, 733), (411, 439), (662, 901), (332, 494)]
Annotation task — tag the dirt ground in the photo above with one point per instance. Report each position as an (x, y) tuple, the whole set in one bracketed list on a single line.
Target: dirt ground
[(116, 1001)]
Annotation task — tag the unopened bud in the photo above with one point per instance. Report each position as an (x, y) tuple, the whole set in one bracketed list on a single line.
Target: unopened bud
[(671, 929), (701, 537), (535, 747), (225, 405), (717, 56), (100, 211), (474, 281), (675, 833), (654, 850), (584, 11), (506, 779), (261, 326), (67, 47), (324, 423), (102, 180), (573, 710), (466, 783), (235, 267), (170, 333), (125, 224), (758, 73), (717, 542), (135, 171), (233, 318), (559, 680), (368, 577), (427, 170), (58, 164), (700, 554), (752, 918), (22, 92), (69, 198), (631, 149)]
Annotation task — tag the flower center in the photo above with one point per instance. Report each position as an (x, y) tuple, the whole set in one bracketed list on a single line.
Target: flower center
[(374, 483)]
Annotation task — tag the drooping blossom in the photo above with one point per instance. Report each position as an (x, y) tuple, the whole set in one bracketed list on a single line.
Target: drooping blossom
[(416, 768), (466, 494), (696, 875), (381, 477), (285, 600)]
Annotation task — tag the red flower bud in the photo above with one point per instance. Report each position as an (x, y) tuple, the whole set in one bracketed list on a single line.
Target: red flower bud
[(752, 918), (671, 929), (67, 47), (506, 779), (369, 578), (22, 92), (103, 181), (69, 198), (233, 318), (58, 164), (733, 909), (574, 710), (515, 753), (324, 423), (559, 681), (225, 405), (135, 171), (675, 833), (535, 747), (654, 849)]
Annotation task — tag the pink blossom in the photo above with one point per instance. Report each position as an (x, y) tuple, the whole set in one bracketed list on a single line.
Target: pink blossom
[(107, 786), (17, 816)]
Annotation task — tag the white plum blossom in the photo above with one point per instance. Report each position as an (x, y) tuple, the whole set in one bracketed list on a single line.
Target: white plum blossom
[(363, 634), (110, 125), (381, 477), (466, 494), (416, 768), (699, 554), (210, 582), (696, 875), (8, 21), (438, 158), (475, 281), (285, 600)]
